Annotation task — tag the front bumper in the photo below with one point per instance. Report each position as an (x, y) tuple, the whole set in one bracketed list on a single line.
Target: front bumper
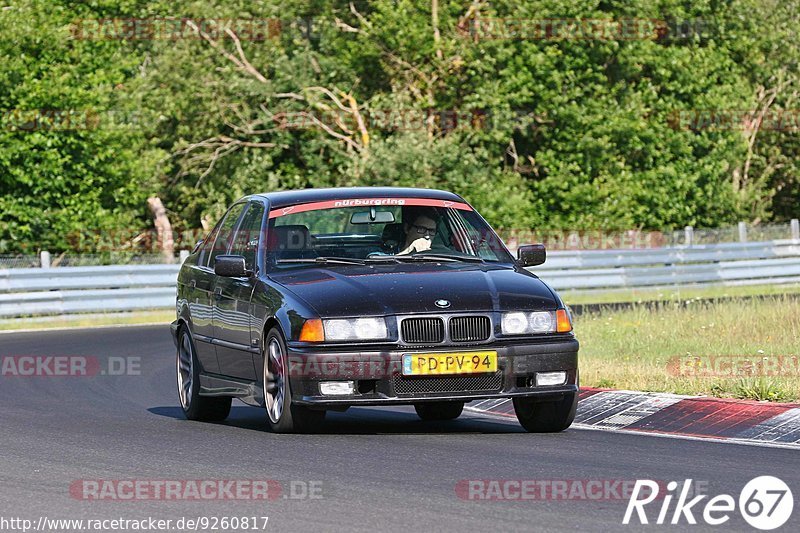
[(379, 381)]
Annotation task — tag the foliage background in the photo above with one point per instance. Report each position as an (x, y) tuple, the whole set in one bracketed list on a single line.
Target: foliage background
[(572, 134)]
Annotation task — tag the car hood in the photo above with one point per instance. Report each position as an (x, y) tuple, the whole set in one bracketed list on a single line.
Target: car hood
[(354, 290)]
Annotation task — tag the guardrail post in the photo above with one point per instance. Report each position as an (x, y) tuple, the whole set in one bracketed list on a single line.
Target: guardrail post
[(688, 235), (742, 232), (44, 257), (795, 225), (183, 256)]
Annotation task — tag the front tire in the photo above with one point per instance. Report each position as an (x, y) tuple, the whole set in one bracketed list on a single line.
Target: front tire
[(439, 410), (195, 407), (283, 415), (546, 417)]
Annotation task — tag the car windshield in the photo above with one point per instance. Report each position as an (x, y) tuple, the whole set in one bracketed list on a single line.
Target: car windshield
[(380, 230)]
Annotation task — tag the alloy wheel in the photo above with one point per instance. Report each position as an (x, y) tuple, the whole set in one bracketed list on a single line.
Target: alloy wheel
[(274, 380), (185, 371)]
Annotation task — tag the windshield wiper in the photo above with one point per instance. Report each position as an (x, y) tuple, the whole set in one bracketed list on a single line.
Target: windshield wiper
[(422, 256), (433, 256), (326, 260), (382, 259), (452, 257)]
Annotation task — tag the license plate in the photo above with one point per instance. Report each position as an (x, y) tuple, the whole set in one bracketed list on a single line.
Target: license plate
[(437, 364)]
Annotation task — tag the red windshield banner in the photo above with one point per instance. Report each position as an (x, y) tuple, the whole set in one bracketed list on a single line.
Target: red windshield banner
[(367, 202)]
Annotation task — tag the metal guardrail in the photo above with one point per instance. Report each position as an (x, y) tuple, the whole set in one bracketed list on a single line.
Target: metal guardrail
[(96, 277), (91, 301), (68, 290), (729, 264)]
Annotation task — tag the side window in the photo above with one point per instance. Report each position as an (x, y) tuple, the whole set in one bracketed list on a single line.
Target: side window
[(208, 244), (245, 242), (225, 233)]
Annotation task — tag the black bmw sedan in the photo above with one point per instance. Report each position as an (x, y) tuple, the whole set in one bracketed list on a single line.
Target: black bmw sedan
[(315, 300)]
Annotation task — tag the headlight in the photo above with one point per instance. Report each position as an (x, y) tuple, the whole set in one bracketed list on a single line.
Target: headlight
[(519, 323), (349, 329), (515, 323)]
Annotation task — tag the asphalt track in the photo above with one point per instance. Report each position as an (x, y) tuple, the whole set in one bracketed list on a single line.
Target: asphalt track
[(378, 469)]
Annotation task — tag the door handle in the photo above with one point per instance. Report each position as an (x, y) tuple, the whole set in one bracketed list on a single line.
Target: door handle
[(218, 293), (193, 283)]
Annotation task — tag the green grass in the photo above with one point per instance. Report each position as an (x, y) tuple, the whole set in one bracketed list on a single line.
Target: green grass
[(653, 348), (79, 321), (675, 293)]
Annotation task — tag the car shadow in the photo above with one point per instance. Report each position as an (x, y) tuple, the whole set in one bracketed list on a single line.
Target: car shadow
[(363, 421)]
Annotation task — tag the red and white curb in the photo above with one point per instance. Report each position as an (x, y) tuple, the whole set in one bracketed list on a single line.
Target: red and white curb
[(743, 421)]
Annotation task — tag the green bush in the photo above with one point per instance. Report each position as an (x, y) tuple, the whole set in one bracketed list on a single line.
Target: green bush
[(554, 134)]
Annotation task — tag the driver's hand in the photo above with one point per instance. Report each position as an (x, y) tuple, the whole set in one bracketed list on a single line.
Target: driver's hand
[(420, 245)]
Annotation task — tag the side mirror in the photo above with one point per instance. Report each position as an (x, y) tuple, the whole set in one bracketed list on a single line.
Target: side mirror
[(230, 266), (530, 255)]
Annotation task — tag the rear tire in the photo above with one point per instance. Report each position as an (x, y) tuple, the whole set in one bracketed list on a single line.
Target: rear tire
[(196, 407), (439, 410), (283, 415), (546, 417)]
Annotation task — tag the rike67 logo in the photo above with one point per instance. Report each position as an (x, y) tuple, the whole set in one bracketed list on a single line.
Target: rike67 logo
[(765, 503)]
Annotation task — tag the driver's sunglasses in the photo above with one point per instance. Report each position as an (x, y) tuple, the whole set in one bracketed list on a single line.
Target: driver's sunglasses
[(422, 230)]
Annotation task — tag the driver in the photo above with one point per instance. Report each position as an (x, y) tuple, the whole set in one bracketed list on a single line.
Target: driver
[(420, 228)]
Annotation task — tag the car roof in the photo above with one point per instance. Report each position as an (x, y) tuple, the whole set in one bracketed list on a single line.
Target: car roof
[(301, 196)]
